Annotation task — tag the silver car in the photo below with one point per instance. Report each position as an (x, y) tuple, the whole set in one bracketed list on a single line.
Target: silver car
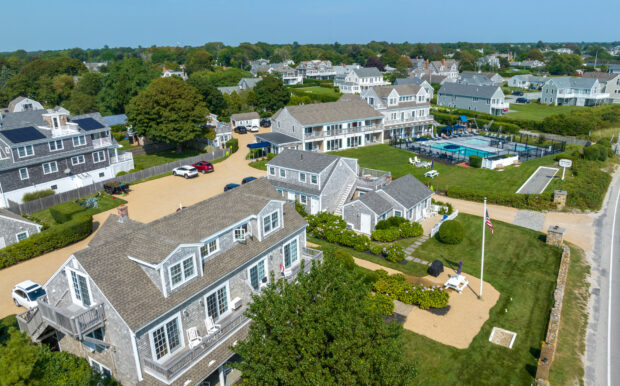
[(185, 171), (26, 293)]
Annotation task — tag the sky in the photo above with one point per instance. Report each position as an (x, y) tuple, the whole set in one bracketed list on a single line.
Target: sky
[(51, 25)]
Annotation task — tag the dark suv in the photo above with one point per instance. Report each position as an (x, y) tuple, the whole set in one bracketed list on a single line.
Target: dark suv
[(265, 122), (241, 130), (517, 93), (523, 100)]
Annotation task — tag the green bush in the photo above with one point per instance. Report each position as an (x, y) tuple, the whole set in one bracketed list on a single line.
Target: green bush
[(448, 205), (394, 253), (397, 287), (451, 232), (233, 144), (38, 194), (118, 136), (521, 201), (53, 238), (475, 161), (346, 259), (332, 228), (376, 249), (62, 213), (595, 153), (390, 222), (588, 187), (209, 149), (383, 302), (271, 156), (121, 173), (411, 229), (385, 235), (301, 209)]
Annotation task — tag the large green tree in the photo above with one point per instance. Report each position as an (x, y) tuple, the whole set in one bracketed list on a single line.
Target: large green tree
[(199, 60), (212, 96), (564, 64), (125, 79), (326, 329), (168, 110), (271, 94)]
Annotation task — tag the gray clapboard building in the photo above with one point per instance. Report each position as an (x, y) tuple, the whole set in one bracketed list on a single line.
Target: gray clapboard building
[(485, 99), (14, 228), (161, 303)]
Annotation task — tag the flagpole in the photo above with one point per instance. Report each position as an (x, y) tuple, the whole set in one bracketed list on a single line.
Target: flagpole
[(484, 214)]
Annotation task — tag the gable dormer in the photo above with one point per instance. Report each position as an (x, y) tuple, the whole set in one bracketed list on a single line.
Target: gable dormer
[(56, 119), (270, 219), (393, 98)]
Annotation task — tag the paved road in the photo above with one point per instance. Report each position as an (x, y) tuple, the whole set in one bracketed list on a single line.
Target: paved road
[(603, 336), (538, 181), (147, 201)]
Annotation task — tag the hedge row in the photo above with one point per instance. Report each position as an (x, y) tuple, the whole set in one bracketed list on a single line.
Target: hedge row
[(48, 240), (397, 287), (521, 201), (450, 119), (403, 231), (233, 143), (38, 194)]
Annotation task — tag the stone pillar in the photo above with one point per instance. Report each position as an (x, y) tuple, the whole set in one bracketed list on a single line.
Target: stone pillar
[(222, 376), (555, 235), (559, 198)]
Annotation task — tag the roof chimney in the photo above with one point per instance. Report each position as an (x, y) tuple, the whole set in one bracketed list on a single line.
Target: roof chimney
[(426, 66), (123, 213), (443, 61)]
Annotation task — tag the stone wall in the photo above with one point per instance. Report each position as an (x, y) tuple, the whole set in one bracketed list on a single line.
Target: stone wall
[(551, 340)]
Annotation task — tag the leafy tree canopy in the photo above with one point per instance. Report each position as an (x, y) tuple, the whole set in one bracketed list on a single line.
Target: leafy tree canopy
[(212, 96), (168, 110), (325, 329), (270, 94), (564, 64), (373, 61)]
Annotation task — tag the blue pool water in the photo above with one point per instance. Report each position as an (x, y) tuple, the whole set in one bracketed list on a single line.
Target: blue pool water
[(477, 141), (462, 150)]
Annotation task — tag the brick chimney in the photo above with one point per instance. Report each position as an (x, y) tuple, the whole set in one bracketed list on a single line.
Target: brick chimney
[(426, 66), (443, 61)]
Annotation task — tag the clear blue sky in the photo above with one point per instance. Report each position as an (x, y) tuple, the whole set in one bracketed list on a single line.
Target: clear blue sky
[(58, 24)]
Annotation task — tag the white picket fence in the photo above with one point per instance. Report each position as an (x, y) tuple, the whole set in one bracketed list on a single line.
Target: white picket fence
[(450, 217)]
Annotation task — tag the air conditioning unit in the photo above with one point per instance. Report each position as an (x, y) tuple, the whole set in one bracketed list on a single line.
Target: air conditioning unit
[(236, 303)]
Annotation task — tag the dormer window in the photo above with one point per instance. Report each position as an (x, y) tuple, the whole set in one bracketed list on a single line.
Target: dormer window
[(209, 248), (55, 120), (181, 272), (302, 177), (240, 233), (270, 223), (314, 179), (25, 151), (56, 145)]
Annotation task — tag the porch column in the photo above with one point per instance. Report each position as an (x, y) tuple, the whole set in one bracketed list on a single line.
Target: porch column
[(222, 376), (116, 154)]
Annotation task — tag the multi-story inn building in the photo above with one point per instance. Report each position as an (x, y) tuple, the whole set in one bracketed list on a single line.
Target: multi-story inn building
[(485, 99), (51, 149), (316, 69), (573, 91), (357, 80), (161, 303)]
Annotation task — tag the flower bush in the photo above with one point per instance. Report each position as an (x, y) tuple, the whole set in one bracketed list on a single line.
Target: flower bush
[(332, 228), (393, 253), (397, 287), (376, 249), (403, 230), (385, 235)]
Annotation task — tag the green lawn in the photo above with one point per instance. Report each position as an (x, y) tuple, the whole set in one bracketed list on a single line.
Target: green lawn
[(145, 161), (538, 112), (320, 91), (389, 158), (260, 165), (106, 202)]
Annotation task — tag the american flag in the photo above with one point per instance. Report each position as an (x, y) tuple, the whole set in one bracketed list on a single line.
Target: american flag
[(489, 223)]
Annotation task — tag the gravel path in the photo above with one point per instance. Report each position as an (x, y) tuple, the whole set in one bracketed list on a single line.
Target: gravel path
[(530, 219)]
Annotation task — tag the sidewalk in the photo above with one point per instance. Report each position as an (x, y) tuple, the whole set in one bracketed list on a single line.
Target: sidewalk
[(147, 201)]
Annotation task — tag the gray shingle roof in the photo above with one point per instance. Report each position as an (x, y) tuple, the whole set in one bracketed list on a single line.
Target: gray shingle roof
[(601, 76), (111, 228), (366, 72), (23, 119), (340, 111), (375, 202), (407, 190), (402, 89), (9, 214), (276, 138), (570, 82), (468, 90), (307, 161), (244, 116), (410, 80), (228, 89)]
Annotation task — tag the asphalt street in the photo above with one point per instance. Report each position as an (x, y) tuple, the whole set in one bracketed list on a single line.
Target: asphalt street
[(603, 336)]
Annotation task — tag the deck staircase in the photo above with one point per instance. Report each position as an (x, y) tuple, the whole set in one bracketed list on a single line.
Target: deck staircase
[(343, 198)]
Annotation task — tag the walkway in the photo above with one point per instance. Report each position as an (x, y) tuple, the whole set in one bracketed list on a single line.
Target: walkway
[(147, 201), (538, 181)]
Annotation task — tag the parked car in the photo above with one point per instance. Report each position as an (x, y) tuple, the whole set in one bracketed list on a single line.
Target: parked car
[(115, 187), (204, 167), (241, 129), (247, 179), (265, 122), (431, 173), (523, 100), (230, 187), (517, 93), (186, 171), (26, 293), (254, 129)]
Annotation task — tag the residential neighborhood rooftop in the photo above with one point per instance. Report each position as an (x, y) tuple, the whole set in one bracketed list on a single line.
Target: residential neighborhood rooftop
[(340, 111), (307, 161), (468, 90)]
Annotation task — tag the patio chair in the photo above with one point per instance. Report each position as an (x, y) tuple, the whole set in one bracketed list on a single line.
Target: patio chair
[(212, 327), (193, 338)]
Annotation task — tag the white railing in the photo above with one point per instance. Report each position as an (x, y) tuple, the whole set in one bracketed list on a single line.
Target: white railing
[(64, 130), (350, 130), (101, 142), (438, 225), (122, 157), (408, 120)]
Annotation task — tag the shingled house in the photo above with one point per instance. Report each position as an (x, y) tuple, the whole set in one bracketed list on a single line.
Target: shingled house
[(161, 303)]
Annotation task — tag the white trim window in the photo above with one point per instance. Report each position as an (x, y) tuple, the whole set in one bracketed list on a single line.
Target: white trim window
[(78, 160), (80, 289), (25, 151), (314, 179), (50, 167), (272, 171), (21, 236), (270, 222), (166, 338), (302, 177), (217, 303), (282, 172), (79, 141), (303, 199), (98, 334), (240, 233), (98, 156), (181, 272), (23, 174), (398, 213), (209, 248), (258, 274), (290, 253), (55, 145), (99, 368)]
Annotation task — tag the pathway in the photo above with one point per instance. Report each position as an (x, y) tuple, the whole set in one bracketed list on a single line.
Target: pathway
[(147, 201), (410, 249), (538, 181)]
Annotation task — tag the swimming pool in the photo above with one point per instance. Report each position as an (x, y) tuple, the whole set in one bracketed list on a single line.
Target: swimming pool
[(477, 142), (462, 150)]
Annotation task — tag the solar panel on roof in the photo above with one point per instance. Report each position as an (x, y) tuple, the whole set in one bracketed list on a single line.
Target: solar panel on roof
[(23, 134), (88, 124)]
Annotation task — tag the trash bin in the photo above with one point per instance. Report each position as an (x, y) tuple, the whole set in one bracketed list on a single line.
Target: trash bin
[(436, 268)]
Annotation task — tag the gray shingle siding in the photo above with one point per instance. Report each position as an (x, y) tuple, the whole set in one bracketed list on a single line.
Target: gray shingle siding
[(342, 176), (9, 228)]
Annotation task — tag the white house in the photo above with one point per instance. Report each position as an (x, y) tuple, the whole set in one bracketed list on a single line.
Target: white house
[(573, 91), (167, 73), (359, 79), (20, 104), (245, 119)]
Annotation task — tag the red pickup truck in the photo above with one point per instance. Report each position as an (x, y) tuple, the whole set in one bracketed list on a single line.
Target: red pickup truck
[(204, 167)]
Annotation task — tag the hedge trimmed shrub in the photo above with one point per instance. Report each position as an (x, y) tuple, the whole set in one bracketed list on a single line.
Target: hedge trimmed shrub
[(393, 221), (332, 228), (383, 302), (385, 235), (233, 144), (397, 287), (522, 201), (475, 161), (53, 238), (403, 230), (63, 213), (451, 232), (38, 194), (121, 173)]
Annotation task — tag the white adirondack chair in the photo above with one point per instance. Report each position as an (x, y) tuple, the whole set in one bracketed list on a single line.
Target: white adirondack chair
[(193, 338), (411, 161), (212, 327)]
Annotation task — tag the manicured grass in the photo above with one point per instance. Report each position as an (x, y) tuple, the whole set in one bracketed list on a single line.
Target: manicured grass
[(538, 112), (320, 91), (145, 161), (106, 202), (260, 165), (523, 269), (389, 158), (567, 367)]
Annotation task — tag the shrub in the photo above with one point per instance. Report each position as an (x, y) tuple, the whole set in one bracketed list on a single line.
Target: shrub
[(53, 238), (451, 232), (376, 249), (394, 253), (118, 136), (121, 173), (332, 228), (64, 212), (346, 259), (521, 201), (271, 156), (390, 222), (475, 161), (38, 194), (385, 235), (383, 302), (209, 149), (595, 152), (411, 229), (301, 209), (233, 144), (397, 287)]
